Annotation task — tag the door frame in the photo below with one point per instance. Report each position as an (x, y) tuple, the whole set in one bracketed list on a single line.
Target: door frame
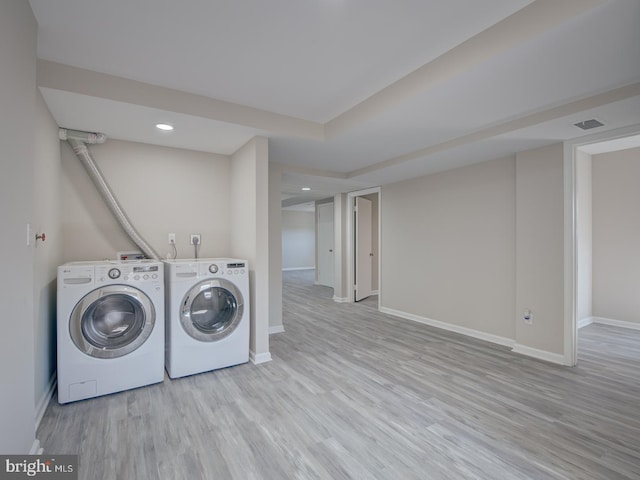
[(350, 232), (570, 234)]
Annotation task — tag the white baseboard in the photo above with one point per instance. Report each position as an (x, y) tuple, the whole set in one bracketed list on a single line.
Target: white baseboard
[(375, 292), (487, 337), (615, 323), (539, 354), (341, 299), (46, 397), (36, 449), (276, 329), (259, 358), (584, 322), (297, 268)]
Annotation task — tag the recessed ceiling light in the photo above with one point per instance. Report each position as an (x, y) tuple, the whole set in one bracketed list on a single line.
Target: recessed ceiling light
[(164, 126), (306, 189)]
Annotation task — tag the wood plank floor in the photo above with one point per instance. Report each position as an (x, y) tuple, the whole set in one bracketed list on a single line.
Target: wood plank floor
[(352, 393)]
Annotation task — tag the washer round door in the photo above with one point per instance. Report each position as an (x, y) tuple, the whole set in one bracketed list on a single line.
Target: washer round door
[(211, 310), (112, 321)]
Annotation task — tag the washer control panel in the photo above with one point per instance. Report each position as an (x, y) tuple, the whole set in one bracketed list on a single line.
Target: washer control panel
[(129, 273), (71, 276)]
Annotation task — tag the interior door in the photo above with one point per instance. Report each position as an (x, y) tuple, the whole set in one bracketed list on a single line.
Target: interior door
[(363, 248), (325, 266)]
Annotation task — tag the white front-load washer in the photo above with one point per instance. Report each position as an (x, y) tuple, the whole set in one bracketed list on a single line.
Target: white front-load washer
[(207, 308), (110, 327)]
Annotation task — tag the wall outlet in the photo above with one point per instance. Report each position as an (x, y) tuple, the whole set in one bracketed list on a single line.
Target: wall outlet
[(172, 238), (527, 317), (195, 239)]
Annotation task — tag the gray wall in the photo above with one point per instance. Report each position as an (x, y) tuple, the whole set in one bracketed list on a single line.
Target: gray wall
[(18, 33), (584, 236), (340, 209), (249, 209), (298, 240), (540, 248), (616, 235), (448, 247), (472, 248), (48, 254), (163, 190), (275, 248)]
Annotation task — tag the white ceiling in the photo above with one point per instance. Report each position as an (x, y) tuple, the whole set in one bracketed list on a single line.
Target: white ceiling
[(351, 93)]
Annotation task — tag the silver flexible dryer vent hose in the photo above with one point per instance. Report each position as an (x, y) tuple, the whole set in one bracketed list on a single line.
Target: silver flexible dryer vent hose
[(78, 141), (86, 137)]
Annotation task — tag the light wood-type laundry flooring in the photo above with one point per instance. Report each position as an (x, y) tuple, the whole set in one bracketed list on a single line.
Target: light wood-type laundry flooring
[(355, 394)]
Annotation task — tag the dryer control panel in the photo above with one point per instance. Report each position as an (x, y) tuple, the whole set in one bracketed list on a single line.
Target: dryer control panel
[(237, 268), (222, 268), (188, 270)]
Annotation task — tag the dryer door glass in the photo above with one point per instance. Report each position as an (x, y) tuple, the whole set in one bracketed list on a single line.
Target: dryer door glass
[(112, 321), (211, 310)]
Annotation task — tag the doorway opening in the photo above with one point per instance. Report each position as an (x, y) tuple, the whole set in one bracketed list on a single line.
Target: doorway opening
[(587, 237)]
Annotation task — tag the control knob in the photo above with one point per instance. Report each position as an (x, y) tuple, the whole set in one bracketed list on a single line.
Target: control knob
[(114, 273)]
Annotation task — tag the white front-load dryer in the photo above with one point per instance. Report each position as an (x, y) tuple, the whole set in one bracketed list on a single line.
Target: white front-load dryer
[(110, 327), (207, 308)]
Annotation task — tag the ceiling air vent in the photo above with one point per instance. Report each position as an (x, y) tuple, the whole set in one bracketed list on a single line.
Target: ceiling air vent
[(589, 124)]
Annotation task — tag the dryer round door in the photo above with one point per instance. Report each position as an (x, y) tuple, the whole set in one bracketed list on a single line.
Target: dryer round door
[(211, 310), (112, 321)]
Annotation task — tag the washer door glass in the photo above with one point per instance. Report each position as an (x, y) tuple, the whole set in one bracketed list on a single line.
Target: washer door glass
[(211, 310), (112, 321)]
